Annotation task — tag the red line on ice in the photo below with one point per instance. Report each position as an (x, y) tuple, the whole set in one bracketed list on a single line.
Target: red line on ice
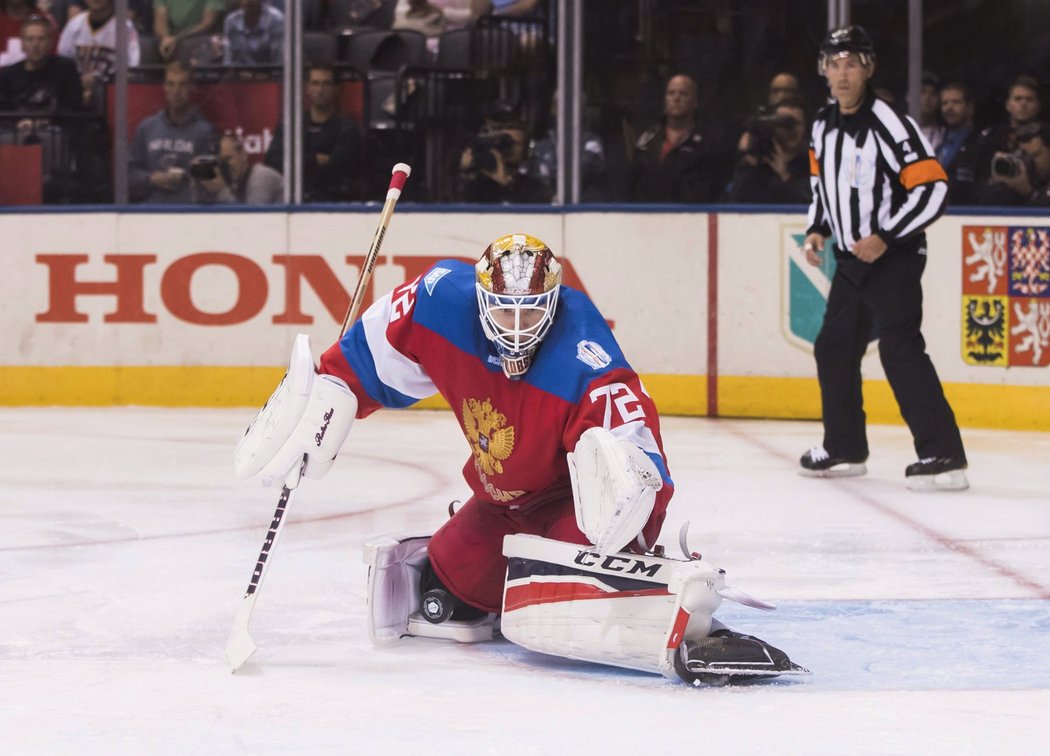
[(951, 544)]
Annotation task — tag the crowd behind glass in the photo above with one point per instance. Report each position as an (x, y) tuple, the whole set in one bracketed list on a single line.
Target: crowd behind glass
[(683, 102)]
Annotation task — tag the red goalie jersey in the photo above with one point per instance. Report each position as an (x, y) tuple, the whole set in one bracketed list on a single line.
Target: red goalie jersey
[(425, 337)]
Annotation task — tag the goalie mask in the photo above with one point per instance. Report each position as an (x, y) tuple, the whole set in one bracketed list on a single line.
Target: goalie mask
[(517, 281), (843, 42)]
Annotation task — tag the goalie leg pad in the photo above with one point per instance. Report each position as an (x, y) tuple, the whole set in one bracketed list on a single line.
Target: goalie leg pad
[(398, 584), (395, 565), (622, 609)]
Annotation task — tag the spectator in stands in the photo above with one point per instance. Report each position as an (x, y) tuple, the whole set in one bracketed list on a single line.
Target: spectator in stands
[(543, 161), (673, 160), (1022, 177), (90, 38), (41, 82), (462, 14), (12, 14), (332, 156), (776, 169), (45, 88), (782, 86), (140, 14), (929, 119), (421, 16), (957, 152), (492, 168), (166, 142), (234, 178), (174, 20), (253, 35), (1022, 108)]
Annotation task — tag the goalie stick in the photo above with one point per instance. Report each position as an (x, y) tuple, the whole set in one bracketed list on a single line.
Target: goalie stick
[(239, 643)]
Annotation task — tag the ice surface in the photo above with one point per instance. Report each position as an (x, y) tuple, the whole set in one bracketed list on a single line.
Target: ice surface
[(126, 544)]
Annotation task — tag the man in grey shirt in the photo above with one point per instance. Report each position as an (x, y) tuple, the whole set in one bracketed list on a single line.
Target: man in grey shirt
[(238, 179), (166, 142)]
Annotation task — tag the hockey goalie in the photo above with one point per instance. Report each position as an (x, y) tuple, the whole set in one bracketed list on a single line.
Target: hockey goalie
[(555, 548)]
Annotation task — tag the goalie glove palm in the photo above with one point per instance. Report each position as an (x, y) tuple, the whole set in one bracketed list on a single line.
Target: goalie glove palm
[(614, 485)]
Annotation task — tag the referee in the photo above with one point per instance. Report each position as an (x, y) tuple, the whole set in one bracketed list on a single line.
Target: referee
[(876, 187)]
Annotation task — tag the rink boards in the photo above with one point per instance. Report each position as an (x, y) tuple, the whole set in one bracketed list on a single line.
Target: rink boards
[(716, 311)]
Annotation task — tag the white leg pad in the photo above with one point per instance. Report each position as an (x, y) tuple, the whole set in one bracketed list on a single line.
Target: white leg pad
[(395, 567), (395, 564), (622, 609)]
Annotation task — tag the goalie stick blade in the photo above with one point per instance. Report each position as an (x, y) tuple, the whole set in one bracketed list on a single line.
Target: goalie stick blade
[(239, 644)]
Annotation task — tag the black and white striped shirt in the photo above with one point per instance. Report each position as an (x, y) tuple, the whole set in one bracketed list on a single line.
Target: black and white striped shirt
[(872, 172)]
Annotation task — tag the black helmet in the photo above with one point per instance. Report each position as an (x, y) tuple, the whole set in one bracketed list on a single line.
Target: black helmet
[(846, 40)]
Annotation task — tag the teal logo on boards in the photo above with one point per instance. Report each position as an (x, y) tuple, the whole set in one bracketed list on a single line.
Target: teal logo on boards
[(805, 290)]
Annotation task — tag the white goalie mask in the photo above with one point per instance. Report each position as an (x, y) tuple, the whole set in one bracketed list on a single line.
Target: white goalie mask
[(517, 281)]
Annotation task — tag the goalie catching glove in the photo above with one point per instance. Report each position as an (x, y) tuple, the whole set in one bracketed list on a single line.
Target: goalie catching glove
[(614, 485), (309, 415)]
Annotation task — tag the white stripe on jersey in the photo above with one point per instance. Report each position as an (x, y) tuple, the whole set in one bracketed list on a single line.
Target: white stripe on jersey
[(639, 434), (393, 368)]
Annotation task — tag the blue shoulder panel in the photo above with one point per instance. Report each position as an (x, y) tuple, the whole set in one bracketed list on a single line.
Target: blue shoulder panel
[(446, 304), (578, 348)]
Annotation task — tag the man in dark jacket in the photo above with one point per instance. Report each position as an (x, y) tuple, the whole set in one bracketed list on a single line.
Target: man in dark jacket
[(673, 161), (332, 160), (44, 89), (775, 169)]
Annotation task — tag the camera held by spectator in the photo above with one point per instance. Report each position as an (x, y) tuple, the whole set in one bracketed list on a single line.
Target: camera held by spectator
[(490, 146), (1011, 164), (207, 168), (762, 131)]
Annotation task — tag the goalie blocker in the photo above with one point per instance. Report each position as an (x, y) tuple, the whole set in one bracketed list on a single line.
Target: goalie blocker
[(640, 612)]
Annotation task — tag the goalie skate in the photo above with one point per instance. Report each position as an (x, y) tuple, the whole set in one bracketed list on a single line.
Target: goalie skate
[(725, 656)]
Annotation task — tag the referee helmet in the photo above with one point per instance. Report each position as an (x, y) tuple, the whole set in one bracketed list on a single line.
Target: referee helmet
[(844, 41)]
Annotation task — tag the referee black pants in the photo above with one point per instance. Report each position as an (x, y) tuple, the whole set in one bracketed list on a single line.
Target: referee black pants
[(882, 300)]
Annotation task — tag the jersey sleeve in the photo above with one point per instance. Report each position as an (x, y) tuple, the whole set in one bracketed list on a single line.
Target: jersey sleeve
[(376, 357), (817, 215), (907, 153), (617, 400)]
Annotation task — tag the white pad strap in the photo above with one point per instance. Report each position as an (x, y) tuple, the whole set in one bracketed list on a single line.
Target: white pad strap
[(626, 610), (614, 485), (308, 415)]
